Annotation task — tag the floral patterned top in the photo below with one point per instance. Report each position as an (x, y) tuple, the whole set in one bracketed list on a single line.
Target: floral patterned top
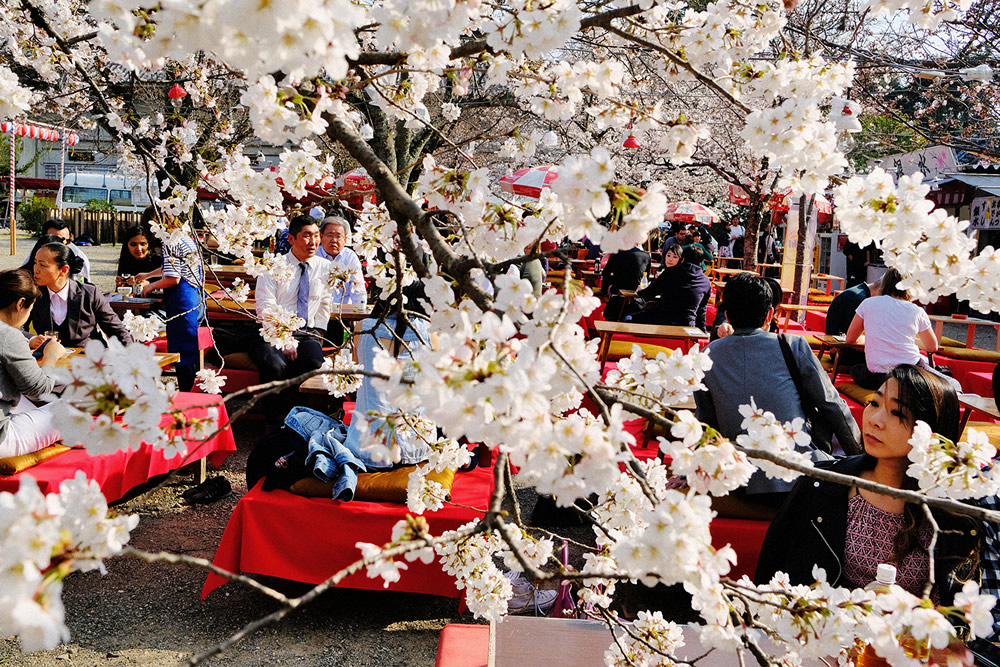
[(871, 534)]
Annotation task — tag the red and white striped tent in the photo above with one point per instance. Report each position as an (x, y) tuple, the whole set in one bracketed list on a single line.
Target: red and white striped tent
[(530, 182), (689, 211), (44, 133)]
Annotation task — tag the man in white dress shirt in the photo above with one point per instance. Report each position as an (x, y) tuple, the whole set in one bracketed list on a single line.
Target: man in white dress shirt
[(307, 294), (334, 235)]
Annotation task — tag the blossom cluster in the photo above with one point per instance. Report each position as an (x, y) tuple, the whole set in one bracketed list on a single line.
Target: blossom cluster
[(106, 384), (821, 620), (789, 440), (278, 327), (43, 538), (929, 247), (338, 384), (956, 470), (670, 378), (143, 329), (649, 640), (710, 463)]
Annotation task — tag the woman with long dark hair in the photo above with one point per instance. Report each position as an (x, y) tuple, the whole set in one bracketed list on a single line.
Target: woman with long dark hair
[(848, 531), (140, 254), (24, 428)]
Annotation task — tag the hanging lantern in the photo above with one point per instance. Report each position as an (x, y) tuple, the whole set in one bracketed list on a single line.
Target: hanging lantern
[(631, 142), (177, 95)]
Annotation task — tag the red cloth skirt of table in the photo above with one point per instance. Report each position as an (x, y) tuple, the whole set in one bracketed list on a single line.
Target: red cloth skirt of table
[(463, 645), (280, 534), (205, 340), (122, 471), (979, 382), (815, 320), (960, 368)]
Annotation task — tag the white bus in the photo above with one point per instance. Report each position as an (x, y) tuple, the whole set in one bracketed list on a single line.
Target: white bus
[(125, 194)]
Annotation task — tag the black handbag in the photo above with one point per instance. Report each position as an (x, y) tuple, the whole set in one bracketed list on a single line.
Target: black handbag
[(819, 429)]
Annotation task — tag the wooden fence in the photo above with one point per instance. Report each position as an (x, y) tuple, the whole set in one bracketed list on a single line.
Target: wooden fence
[(104, 226)]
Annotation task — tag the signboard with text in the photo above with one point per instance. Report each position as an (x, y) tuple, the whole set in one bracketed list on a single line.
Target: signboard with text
[(985, 213), (933, 163)]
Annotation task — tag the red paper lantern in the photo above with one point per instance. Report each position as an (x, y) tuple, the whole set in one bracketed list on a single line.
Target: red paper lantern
[(176, 92), (631, 142)]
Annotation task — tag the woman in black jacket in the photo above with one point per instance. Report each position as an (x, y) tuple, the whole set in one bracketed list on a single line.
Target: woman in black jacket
[(848, 531)]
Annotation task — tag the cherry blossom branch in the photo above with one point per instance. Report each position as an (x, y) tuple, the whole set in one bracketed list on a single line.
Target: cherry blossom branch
[(682, 63), (951, 506), (203, 563), (405, 211), (319, 589)]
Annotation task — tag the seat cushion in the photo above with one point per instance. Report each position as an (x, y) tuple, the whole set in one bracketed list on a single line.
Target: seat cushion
[(239, 361), (620, 349), (969, 354), (856, 392), (12, 465), (951, 342), (820, 298)]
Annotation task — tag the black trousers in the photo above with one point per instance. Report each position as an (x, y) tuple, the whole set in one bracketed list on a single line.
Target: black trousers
[(274, 365)]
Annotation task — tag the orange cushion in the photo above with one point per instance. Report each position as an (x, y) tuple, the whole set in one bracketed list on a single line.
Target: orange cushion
[(386, 486), (622, 349), (12, 465), (856, 392), (820, 298), (951, 342), (239, 361), (969, 354)]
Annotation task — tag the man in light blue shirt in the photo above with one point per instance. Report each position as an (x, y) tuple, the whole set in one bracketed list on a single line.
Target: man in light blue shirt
[(334, 235)]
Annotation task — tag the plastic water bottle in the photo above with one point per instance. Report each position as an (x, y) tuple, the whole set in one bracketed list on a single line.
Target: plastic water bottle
[(885, 576)]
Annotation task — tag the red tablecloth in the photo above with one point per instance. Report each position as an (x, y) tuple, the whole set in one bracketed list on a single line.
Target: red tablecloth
[(960, 368), (463, 646), (816, 320), (280, 534), (122, 471)]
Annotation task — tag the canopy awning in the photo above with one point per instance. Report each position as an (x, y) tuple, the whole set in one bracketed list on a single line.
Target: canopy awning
[(31, 183)]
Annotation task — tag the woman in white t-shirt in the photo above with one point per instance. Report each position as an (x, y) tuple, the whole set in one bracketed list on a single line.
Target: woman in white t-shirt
[(896, 332)]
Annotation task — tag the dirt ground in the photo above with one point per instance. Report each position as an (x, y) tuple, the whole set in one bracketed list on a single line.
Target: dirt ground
[(151, 614)]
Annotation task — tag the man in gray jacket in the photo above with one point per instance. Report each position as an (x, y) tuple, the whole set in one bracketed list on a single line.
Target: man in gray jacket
[(749, 364)]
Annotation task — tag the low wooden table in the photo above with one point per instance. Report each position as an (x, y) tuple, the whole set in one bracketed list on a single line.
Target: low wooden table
[(972, 322), (972, 402), (836, 344), (229, 310), (228, 272), (761, 267), (162, 358), (727, 273), (607, 331), (789, 308), (738, 261)]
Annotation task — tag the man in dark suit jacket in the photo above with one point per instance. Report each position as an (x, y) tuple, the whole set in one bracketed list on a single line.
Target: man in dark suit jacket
[(624, 270), (88, 314)]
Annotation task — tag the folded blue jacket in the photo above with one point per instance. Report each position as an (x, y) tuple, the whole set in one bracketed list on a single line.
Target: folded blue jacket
[(329, 458)]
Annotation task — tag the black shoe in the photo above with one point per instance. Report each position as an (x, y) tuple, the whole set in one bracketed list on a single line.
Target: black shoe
[(209, 491)]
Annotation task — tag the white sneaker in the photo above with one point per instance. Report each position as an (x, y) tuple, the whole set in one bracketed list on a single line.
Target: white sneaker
[(528, 597)]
